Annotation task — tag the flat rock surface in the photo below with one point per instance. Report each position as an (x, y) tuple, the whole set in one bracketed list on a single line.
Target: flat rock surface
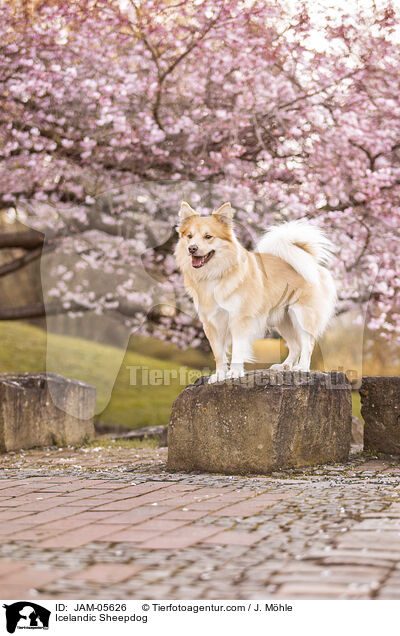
[(261, 422), (113, 523)]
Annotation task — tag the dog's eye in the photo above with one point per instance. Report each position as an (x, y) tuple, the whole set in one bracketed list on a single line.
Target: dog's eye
[(207, 236), (190, 235)]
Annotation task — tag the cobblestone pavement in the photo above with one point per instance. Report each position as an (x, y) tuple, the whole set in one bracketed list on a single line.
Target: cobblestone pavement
[(112, 523)]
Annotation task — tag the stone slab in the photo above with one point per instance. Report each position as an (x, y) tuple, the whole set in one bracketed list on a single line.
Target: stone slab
[(29, 417), (158, 433), (380, 408), (262, 422)]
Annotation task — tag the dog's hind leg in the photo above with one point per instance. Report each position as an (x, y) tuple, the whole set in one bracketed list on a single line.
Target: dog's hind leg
[(289, 334), (304, 320)]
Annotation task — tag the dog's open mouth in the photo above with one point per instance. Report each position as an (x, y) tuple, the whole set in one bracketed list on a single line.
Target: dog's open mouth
[(199, 261)]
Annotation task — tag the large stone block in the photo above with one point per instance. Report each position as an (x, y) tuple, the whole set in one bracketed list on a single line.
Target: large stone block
[(380, 408), (260, 423), (29, 417)]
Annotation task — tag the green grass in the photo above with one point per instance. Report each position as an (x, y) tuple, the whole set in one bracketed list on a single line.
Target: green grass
[(119, 404), (356, 401), (163, 350)]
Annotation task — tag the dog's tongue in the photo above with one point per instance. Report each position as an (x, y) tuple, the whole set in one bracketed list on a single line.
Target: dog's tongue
[(198, 261)]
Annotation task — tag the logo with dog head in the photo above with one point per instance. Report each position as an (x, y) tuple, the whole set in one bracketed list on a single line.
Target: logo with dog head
[(26, 615)]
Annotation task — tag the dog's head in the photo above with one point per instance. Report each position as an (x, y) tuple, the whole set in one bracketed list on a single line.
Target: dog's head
[(206, 243)]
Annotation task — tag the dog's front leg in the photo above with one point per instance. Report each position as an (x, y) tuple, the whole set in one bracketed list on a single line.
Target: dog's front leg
[(242, 349), (217, 335)]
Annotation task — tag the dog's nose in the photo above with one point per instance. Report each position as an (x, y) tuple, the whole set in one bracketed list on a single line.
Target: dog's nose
[(193, 249)]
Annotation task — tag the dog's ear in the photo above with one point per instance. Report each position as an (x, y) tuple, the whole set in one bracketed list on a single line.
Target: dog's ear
[(186, 211), (224, 214)]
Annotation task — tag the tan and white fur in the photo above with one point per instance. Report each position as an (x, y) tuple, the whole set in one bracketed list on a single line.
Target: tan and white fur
[(239, 294)]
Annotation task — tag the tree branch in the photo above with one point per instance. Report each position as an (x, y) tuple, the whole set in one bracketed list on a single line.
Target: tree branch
[(19, 263), (39, 310), (30, 240)]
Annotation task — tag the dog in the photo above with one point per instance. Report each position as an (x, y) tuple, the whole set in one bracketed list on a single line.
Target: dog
[(239, 295)]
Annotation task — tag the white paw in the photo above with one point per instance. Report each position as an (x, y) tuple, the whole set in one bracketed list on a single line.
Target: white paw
[(279, 367), (299, 367), (217, 377), (233, 374)]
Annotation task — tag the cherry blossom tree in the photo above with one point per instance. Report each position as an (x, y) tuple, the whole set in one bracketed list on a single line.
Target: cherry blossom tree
[(112, 112)]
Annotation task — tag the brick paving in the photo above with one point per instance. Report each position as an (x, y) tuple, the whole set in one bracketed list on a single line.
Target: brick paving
[(113, 523)]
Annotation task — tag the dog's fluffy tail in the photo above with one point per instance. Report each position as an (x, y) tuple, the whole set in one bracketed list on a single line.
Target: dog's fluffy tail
[(299, 243)]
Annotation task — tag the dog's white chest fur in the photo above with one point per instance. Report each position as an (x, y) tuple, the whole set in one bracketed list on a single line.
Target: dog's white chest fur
[(226, 299), (216, 297)]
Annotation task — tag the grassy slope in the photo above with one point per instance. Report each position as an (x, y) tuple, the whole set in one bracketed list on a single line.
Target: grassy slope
[(24, 350)]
